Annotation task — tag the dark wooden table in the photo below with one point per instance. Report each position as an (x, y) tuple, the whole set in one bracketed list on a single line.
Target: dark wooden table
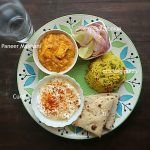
[(19, 131)]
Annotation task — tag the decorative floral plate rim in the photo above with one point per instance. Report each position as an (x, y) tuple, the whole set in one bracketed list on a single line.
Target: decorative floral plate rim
[(69, 23)]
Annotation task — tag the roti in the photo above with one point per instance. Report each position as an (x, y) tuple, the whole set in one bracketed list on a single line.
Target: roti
[(98, 112), (111, 117)]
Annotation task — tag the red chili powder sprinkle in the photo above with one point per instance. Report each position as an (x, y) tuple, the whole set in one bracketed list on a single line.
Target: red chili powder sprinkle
[(48, 101)]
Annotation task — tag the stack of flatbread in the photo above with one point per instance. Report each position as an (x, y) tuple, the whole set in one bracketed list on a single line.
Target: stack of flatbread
[(98, 113)]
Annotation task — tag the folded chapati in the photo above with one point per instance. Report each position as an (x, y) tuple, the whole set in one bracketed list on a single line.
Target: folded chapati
[(98, 112), (111, 117)]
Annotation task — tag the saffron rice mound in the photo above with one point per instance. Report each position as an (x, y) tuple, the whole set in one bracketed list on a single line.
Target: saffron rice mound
[(106, 73)]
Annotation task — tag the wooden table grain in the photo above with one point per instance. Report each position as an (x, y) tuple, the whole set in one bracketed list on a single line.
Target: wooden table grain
[(17, 128)]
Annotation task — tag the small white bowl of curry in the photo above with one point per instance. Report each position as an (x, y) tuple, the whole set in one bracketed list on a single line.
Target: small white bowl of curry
[(57, 52)]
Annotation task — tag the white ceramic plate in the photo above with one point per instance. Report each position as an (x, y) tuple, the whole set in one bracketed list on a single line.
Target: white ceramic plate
[(28, 74)]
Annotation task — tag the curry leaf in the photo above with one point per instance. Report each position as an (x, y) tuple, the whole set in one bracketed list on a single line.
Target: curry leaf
[(75, 129), (116, 116), (72, 128), (129, 75), (29, 90), (30, 59), (78, 24), (118, 44), (128, 87), (65, 28), (41, 74), (110, 35)]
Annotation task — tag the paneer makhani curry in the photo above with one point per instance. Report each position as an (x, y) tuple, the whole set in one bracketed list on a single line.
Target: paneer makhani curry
[(56, 52)]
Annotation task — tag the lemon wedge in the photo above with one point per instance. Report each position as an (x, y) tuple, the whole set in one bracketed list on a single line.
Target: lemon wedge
[(82, 37), (86, 51)]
